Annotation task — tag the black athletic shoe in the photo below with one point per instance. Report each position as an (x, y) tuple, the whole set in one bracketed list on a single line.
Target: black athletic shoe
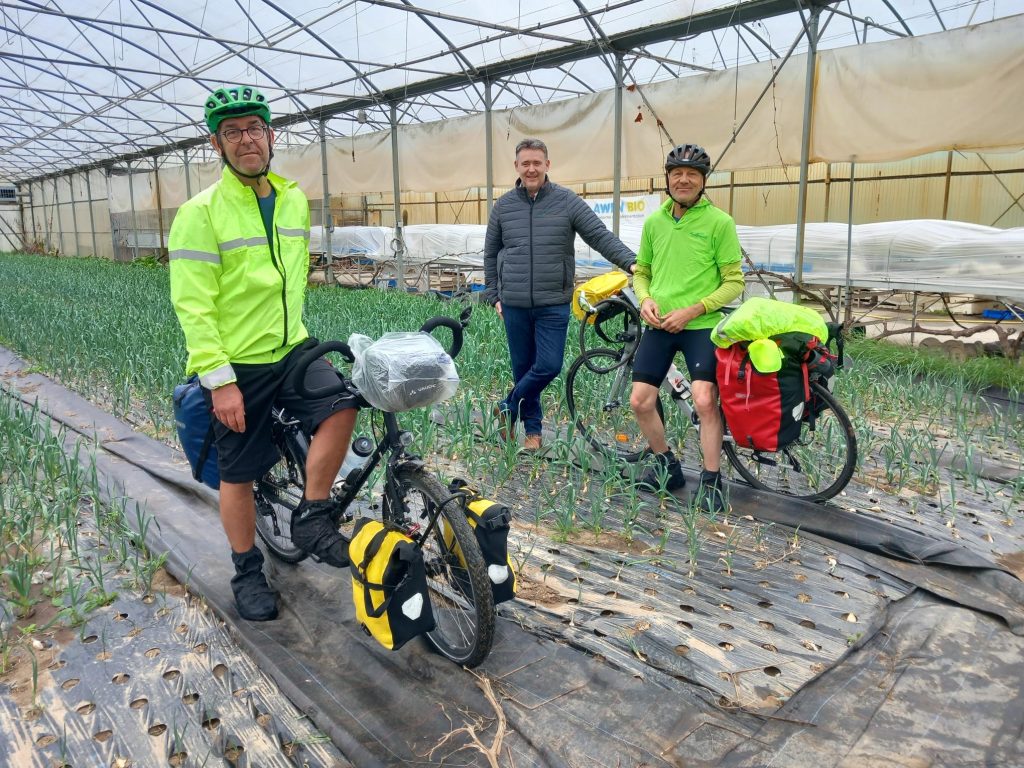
[(254, 598), (665, 473), (314, 530), (708, 495)]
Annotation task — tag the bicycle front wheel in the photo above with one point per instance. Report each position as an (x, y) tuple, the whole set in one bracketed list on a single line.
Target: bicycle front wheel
[(460, 591), (599, 404), (816, 466), (278, 494)]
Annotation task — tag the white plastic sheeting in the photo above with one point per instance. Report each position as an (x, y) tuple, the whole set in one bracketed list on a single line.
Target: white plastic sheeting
[(924, 255), (463, 244), (883, 101), (10, 229)]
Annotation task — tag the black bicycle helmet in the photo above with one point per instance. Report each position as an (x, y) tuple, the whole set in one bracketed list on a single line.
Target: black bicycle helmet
[(689, 156)]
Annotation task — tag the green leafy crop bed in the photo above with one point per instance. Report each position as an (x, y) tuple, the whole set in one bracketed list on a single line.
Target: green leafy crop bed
[(933, 455)]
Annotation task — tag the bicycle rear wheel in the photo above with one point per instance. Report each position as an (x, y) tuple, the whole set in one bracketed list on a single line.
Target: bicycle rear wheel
[(816, 466), (278, 494), (599, 404), (460, 591)]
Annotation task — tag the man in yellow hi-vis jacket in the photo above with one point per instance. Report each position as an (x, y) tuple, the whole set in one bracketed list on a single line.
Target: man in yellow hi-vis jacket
[(239, 258)]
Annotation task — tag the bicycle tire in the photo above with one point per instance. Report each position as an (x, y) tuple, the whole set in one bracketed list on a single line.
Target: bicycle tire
[(282, 488), (816, 466), (599, 404), (460, 590)]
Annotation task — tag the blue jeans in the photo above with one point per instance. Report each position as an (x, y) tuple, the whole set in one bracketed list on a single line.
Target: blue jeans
[(536, 347)]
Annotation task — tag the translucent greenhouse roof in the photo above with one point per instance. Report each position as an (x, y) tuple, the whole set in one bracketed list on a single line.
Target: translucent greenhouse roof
[(88, 82)]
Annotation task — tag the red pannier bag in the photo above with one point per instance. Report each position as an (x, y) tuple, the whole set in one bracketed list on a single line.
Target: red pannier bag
[(764, 410)]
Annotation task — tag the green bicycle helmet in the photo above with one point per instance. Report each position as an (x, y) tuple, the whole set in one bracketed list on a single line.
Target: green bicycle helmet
[(236, 101)]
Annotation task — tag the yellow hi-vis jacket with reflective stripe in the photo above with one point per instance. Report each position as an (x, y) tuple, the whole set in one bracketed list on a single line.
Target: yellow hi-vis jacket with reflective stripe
[(239, 298)]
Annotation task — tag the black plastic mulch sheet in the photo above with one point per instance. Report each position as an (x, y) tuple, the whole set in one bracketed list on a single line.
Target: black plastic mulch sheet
[(939, 685), (558, 705)]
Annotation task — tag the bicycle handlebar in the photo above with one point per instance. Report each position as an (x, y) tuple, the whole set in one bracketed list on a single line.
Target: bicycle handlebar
[(453, 325), (315, 353), (342, 387)]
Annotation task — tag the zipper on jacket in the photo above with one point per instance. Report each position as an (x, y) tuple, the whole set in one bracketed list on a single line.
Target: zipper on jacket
[(532, 203), (278, 264)]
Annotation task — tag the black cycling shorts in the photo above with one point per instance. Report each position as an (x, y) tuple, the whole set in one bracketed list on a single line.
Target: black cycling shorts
[(243, 457), (658, 347)]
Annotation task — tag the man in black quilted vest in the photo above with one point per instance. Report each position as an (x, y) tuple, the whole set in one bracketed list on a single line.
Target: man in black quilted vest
[(529, 271)]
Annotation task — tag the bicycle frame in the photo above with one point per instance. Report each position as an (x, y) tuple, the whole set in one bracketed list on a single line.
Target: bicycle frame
[(675, 384), (345, 492)]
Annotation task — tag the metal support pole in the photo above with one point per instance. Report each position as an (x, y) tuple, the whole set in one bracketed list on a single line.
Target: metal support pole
[(60, 222), (21, 222), (617, 146), (47, 220), (32, 209), (489, 145), (399, 242), (945, 194), (92, 217), (326, 220), (135, 219), (159, 204), (113, 226), (805, 144), (848, 305), (74, 214), (828, 189), (188, 177), (913, 320)]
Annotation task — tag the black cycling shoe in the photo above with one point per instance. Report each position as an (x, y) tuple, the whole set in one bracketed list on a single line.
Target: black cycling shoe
[(708, 495), (254, 598), (665, 473), (314, 529)]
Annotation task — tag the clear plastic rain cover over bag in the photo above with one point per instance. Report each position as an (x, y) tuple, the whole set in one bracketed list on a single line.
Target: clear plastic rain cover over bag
[(402, 371)]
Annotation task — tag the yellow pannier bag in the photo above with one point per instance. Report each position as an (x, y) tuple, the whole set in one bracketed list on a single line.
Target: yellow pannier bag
[(389, 584), (490, 522), (597, 289)]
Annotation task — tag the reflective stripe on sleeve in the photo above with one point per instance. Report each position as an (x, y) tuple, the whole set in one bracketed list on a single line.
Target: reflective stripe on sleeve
[(218, 377), (185, 253), (293, 232), (240, 241)]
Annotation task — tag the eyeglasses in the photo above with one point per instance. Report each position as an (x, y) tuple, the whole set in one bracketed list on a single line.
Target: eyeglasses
[(234, 135)]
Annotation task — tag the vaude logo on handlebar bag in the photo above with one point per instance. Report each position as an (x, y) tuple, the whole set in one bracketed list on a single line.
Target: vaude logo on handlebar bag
[(195, 431), (490, 522), (389, 584)]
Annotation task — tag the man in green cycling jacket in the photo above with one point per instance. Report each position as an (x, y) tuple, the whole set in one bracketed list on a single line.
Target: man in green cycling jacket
[(687, 268), (239, 258)]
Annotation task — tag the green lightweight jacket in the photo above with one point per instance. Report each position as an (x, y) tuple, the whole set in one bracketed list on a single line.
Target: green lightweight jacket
[(239, 297)]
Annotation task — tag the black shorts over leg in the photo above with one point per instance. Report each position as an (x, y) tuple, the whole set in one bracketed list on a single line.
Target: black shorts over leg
[(243, 457), (657, 348)]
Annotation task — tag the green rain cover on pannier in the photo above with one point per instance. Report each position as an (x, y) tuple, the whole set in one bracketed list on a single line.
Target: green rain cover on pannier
[(760, 318)]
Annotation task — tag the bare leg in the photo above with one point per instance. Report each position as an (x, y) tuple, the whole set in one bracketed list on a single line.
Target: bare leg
[(327, 452), (643, 401), (705, 402), (238, 515)]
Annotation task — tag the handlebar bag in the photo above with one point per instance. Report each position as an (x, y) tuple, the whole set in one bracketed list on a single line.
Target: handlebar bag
[(490, 522), (402, 371), (389, 584), (597, 289), (195, 431)]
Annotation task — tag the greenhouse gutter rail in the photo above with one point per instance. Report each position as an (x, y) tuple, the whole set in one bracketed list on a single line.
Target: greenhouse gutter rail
[(755, 10)]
